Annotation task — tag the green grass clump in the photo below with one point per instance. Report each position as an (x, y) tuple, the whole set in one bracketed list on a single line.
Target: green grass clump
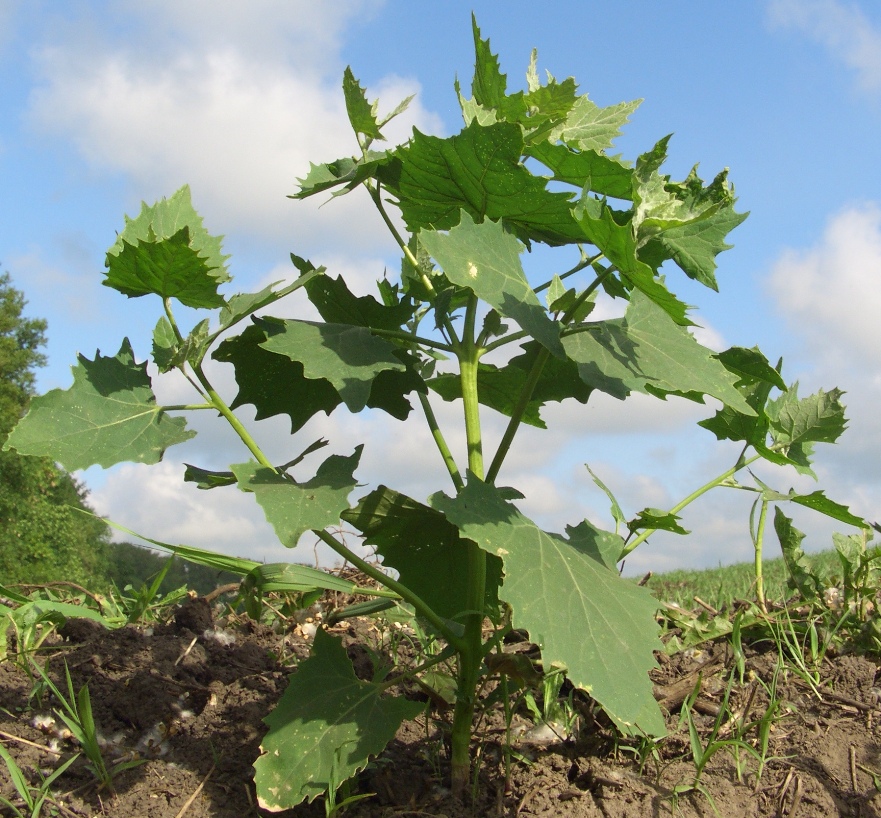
[(719, 587)]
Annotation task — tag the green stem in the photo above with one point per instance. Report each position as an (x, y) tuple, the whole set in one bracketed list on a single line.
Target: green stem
[(585, 262), (185, 406), (759, 568), (469, 355), (441, 443), (422, 608), (415, 339), (717, 481), (445, 654)]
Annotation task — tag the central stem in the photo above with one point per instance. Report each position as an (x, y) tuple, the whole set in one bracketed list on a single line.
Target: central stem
[(471, 654)]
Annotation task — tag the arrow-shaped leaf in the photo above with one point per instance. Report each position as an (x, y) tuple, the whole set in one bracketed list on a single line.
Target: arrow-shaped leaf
[(108, 416), (324, 729), (582, 614)]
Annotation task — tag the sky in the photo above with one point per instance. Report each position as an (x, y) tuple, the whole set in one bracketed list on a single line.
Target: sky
[(107, 104)]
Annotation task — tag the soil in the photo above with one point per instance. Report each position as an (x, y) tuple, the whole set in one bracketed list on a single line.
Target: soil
[(186, 699)]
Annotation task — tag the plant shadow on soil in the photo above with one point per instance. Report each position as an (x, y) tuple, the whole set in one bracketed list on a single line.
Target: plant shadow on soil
[(189, 697)]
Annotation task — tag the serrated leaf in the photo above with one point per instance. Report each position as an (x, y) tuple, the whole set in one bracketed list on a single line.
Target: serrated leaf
[(293, 508), (478, 170), (207, 479), (500, 388), (658, 520), (818, 501), (587, 170), (108, 416), (346, 172), (326, 726), (167, 251), (751, 366), (348, 357), (818, 418), (589, 127), (362, 115), (582, 614), (489, 85), (424, 548), (338, 305), (647, 352), (486, 259), (273, 383), (801, 578), (617, 242), (604, 546)]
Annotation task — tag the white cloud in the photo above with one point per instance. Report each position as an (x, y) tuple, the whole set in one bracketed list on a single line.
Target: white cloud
[(830, 296), (237, 108), (843, 28)]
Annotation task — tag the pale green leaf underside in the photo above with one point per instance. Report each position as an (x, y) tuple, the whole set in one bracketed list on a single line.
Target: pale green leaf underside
[(349, 357), (108, 416), (646, 352), (581, 613), (293, 508), (326, 725), (486, 259)]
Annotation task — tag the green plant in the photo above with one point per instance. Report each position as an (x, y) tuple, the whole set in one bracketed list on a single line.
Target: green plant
[(32, 798), (76, 713), (529, 168)]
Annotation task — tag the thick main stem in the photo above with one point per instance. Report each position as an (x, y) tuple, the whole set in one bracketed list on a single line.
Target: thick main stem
[(471, 654)]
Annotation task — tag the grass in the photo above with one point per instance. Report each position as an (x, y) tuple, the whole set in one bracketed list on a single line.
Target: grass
[(719, 587)]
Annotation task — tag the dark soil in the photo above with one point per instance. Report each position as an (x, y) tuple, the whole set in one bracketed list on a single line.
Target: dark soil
[(188, 696)]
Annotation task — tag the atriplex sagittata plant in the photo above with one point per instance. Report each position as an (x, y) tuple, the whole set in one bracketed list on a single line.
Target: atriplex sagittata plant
[(528, 168)]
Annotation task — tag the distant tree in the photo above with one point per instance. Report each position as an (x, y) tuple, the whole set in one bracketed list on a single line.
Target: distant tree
[(42, 535)]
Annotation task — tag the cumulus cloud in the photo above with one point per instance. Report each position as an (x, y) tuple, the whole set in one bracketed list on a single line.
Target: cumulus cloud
[(843, 28), (236, 105), (830, 297)]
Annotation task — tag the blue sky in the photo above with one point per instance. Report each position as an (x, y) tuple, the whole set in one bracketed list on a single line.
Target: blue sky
[(106, 104)]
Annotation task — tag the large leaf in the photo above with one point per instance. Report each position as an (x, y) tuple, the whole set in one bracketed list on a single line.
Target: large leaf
[(589, 127), (500, 388), (348, 357), (579, 611), (486, 259), (108, 416), (338, 305), (274, 384), (167, 251), (294, 508), (479, 171), (648, 352), (617, 242), (797, 423), (424, 548), (324, 729)]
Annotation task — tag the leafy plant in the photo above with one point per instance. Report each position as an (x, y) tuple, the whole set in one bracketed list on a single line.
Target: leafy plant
[(529, 168), (32, 798)]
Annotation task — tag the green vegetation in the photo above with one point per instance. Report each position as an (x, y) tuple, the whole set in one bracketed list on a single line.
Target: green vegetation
[(43, 538), (529, 167)]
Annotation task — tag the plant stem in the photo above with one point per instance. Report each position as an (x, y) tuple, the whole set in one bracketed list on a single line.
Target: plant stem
[(414, 339), (717, 481), (441, 442), (422, 608), (759, 568), (471, 653)]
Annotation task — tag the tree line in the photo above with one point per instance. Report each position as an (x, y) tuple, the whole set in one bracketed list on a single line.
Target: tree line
[(44, 537)]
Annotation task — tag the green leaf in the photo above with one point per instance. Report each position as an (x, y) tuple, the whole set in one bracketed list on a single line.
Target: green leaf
[(587, 170), (589, 127), (582, 614), (168, 353), (346, 172), (337, 305), (167, 251), (108, 416), (362, 115), (617, 242), (293, 508), (751, 366), (818, 501), (478, 170), (205, 479), (486, 259), (287, 577), (797, 423), (273, 383), (326, 725), (604, 546), (647, 352), (489, 85), (801, 578), (617, 513), (656, 519), (424, 548), (500, 388), (348, 357)]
